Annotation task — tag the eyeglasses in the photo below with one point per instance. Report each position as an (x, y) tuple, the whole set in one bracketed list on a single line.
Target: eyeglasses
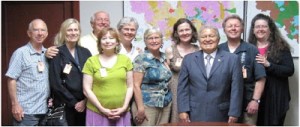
[(153, 38), (261, 26), (102, 19)]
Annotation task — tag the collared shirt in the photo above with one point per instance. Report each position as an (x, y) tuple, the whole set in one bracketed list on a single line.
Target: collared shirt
[(213, 56), (255, 71), (154, 86), (90, 42), (32, 86), (132, 54)]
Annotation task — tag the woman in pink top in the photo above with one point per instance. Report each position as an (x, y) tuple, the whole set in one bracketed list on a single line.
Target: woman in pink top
[(278, 62)]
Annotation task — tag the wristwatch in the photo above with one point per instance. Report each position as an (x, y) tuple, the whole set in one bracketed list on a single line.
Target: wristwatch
[(256, 100)]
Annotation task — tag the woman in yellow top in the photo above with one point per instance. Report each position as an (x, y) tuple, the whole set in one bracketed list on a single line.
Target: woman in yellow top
[(107, 83)]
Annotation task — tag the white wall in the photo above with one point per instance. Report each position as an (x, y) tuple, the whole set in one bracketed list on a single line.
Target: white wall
[(115, 9), (292, 117), (88, 8)]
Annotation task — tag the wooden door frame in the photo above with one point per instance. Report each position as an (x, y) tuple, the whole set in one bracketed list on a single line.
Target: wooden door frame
[(5, 54)]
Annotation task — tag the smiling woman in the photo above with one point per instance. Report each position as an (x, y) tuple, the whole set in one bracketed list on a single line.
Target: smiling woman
[(65, 73), (153, 98), (107, 83)]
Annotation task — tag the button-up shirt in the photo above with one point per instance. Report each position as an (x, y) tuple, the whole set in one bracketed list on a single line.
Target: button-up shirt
[(154, 86), (32, 86)]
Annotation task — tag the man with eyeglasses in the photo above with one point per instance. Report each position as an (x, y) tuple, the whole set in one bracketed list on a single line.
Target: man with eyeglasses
[(28, 83), (253, 73), (98, 21)]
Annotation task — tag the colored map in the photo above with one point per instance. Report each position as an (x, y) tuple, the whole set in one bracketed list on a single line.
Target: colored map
[(286, 16), (164, 14)]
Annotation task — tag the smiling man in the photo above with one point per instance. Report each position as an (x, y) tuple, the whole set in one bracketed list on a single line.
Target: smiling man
[(210, 82), (253, 73), (28, 83)]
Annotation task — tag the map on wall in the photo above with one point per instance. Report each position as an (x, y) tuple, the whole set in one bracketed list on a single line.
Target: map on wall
[(164, 14), (286, 16)]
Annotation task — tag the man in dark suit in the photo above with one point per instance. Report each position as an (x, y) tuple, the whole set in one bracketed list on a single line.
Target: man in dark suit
[(216, 96)]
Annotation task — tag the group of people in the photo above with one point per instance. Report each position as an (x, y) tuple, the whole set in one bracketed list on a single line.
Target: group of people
[(103, 79)]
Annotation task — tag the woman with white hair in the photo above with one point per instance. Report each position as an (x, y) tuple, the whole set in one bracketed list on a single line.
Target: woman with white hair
[(151, 76)]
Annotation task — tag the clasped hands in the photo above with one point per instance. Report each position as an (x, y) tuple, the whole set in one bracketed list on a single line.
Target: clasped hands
[(113, 114)]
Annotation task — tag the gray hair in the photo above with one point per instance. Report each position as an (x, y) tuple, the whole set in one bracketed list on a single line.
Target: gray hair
[(30, 25), (94, 15), (209, 27), (152, 30), (127, 20)]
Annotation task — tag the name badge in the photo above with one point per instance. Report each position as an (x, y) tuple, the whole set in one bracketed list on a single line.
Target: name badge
[(244, 72), (41, 66), (67, 68), (178, 62), (103, 72)]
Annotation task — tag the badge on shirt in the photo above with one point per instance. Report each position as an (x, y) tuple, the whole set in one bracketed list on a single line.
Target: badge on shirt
[(244, 72), (103, 72), (178, 62), (67, 68), (40, 66)]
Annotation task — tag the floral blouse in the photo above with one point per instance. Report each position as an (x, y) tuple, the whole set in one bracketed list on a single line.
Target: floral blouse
[(156, 78)]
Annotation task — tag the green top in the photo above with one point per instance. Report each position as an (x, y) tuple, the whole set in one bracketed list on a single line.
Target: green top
[(111, 89)]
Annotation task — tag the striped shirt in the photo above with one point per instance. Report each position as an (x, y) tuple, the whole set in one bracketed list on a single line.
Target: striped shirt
[(32, 86)]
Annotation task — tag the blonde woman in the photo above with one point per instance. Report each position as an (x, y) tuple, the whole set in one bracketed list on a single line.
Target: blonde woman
[(65, 72)]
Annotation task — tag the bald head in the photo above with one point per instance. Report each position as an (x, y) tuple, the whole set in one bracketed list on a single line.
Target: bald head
[(37, 31)]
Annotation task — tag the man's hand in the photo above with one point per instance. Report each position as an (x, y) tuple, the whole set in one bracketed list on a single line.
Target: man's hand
[(184, 117), (17, 112), (252, 107), (51, 52), (232, 119)]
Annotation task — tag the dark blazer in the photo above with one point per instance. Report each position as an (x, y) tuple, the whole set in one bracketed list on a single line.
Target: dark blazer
[(67, 88), (212, 98)]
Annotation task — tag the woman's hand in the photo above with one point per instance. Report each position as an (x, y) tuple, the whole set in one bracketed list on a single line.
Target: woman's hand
[(140, 116), (118, 111), (80, 106), (262, 60)]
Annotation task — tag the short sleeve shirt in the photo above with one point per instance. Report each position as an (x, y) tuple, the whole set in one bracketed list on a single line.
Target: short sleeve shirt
[(247, 53), (32, 86), (111, 89), (154, 86)]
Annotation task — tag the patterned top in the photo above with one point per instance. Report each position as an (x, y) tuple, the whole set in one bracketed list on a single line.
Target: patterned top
[(156, 78), (111, 89), (32, 86)]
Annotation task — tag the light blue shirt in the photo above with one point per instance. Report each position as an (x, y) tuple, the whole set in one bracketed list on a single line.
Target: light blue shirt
[(32, 86)]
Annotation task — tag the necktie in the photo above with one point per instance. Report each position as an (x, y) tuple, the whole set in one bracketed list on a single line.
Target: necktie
[(208, 65)]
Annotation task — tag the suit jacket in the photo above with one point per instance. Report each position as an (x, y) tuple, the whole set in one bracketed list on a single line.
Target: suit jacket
[(67, 88), (212, 98)]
